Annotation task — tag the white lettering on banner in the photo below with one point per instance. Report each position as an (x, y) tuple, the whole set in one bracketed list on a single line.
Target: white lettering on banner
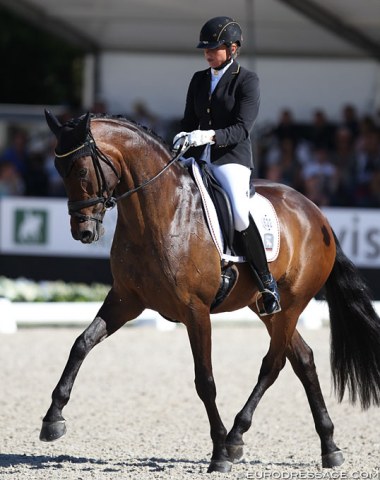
[(305, 474), (41, 226), (358, 231)]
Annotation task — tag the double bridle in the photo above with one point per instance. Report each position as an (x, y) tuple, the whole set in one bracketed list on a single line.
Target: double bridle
[(104, 195)]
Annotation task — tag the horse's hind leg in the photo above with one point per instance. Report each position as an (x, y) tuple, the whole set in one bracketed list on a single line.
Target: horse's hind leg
[(301, 357), (113, 314)]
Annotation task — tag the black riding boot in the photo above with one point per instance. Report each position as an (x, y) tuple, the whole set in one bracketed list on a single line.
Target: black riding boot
[(256, 258)]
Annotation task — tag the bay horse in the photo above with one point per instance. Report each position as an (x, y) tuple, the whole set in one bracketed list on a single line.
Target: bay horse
[(163, 258)]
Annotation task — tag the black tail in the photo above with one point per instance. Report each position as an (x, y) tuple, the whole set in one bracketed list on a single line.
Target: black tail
[(355, 334)]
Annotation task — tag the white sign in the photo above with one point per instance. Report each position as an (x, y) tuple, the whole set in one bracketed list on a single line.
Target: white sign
[(41, 226), (358, 231)]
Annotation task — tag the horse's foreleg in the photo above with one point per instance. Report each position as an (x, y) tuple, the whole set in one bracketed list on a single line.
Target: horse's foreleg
[(301, 357), (112, 315), (272, 364), (199, 331)]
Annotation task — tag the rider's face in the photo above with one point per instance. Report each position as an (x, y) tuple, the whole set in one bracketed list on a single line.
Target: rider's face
[(217, 56)]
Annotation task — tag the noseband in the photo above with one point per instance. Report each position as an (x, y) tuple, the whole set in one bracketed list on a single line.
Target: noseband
[(104, 195)]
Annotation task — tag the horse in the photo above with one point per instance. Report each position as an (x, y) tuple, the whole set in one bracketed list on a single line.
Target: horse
[(163, 258)]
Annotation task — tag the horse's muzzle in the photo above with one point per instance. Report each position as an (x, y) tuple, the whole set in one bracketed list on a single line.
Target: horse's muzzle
[(87, 232)]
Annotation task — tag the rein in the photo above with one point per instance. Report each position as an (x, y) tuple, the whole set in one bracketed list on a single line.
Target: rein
[(147, 182), (108, 200)]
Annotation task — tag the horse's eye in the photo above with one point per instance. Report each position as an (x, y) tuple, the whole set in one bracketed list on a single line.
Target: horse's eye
[(82, 172)]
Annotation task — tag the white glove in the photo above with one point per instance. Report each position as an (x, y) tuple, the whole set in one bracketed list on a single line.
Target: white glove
[(201, 137), (179, 140)]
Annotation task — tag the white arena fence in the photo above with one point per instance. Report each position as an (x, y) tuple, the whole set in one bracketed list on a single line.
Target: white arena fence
[(37, 314)]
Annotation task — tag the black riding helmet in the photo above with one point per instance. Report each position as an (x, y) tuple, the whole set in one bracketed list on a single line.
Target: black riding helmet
[(220, 31)]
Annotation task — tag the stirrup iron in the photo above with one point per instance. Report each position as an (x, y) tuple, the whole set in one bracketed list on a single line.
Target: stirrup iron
[(261, 310)]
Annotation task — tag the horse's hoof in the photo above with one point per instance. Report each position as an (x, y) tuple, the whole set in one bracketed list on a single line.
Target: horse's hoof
[(334, 459), (51, 431), (221, 466), (235, 452)]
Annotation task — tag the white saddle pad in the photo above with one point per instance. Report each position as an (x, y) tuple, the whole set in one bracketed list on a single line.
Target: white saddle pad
[(262, 212)]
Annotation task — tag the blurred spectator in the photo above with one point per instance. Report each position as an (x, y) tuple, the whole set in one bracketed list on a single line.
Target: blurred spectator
[(36, 179), (367, 166), (332, 164), (142, 115), (286, 127), (366, 125), (11, 182), (350, 120), (282, 164), (374, 190), (55, 183), (321, 131), (314, 192), (344, 158), (16, 152), (320, 177)]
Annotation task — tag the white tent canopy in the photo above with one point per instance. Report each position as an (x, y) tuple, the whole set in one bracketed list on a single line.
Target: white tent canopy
[(307, 52), (325, 28)]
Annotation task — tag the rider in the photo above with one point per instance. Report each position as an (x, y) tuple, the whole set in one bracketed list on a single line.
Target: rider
[(221, 107)]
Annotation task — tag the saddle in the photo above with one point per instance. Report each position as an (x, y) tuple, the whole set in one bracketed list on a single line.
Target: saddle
[(223, 207), (218, 214), (224, 213)]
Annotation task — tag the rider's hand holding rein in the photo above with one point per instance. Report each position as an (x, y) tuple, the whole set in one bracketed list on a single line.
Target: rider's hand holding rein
[(196, 138)]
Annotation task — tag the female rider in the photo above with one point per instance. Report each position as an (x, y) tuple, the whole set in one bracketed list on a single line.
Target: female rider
[(221, 107)]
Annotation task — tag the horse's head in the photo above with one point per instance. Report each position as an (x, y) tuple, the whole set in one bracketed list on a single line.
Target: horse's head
[(88, 175)]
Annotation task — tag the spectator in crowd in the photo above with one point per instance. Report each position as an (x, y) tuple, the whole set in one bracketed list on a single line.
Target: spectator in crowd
[(321, 131), (282, 164), (344, 158), (36, 179), (11, 182), (367, 165), (350, 120), (142, 115), (374, 190), (320, 177), (366, 125), (16, 152), (56, 187), (286, 127), (332, 164)]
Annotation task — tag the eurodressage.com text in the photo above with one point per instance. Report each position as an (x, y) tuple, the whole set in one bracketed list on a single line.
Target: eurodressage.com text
[(327, 475)]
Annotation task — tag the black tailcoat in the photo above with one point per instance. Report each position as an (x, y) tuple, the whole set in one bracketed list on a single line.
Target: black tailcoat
[(231, 111)]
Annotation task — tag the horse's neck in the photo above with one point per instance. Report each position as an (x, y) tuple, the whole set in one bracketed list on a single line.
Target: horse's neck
[(160, 206)]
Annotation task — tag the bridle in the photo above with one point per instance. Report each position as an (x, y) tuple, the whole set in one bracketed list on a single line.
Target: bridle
[(104, 194)]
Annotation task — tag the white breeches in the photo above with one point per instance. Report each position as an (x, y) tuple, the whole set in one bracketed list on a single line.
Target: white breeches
[(234, 179)]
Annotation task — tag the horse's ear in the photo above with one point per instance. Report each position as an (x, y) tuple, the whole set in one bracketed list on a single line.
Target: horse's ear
[(52, 122), (84, 126)]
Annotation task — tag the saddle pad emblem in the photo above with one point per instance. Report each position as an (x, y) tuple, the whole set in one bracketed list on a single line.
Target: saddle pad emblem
[(268, 241)]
